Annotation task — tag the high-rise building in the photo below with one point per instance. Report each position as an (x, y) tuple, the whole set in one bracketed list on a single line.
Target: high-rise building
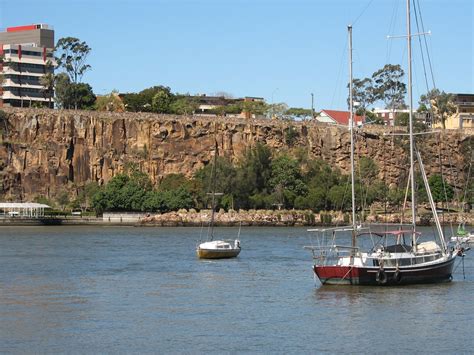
[(27, 55)]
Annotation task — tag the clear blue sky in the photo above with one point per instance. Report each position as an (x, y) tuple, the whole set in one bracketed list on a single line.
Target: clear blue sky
[(285, 49)]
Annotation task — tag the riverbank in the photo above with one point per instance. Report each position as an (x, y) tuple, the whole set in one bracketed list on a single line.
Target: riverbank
[(264, 218), (288, 218)]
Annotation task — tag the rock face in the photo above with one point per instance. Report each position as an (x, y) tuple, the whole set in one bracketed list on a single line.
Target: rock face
[(44, 152)]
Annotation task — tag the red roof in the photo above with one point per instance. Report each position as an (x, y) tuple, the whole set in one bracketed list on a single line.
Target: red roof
[(342, 117), (22, 28)]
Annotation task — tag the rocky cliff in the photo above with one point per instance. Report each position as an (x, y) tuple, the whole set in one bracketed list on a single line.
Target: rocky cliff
[(46, 151)]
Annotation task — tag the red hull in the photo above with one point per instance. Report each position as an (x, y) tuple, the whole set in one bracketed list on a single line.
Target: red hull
[(356, 275)]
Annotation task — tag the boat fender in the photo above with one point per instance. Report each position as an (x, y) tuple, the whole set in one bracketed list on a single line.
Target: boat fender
[(381, 277), (397, 276)]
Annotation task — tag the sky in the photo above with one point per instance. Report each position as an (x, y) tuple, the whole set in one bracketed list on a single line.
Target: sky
[(281, 50)]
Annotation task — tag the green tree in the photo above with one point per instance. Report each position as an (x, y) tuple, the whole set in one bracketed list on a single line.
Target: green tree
[(48, 81), (254, 107), (362, 94), (401, 119), (372, 118), (136, 102), (368, 170), (173, 182), (72, 57), (63, 199), (162, 100), (395, 196), (388, 87), (225, 173), (291, 136), (63, 92), (339, 197), (286, 179), (441, 104), (251, 178), (83, 96), (178, 199), (124, 192), (2, 62), (184, 105), (440, 189)]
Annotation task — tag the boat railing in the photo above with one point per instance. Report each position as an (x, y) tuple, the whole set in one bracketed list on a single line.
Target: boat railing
[(329, 254)]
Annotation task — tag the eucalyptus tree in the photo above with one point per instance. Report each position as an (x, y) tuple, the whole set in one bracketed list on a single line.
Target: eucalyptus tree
[(363, 94), (72, 57), (389, 87)]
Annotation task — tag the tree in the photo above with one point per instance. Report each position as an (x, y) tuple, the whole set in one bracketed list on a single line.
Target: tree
[(440, 189), (135, 102), (2, 60), (124, 192), (63, 199), (162, 100), (48, 81), (286, 179), (83, 96), (251, 177), (174, 181), (254, 107), (372, 118), (362, 94), (64, 95), (110, 102), (152, 99), (291, 135), (402, 119), (72, 58), (184, 105), (388, 87), (339, 197), (225, 173), (71, 95), (441, 104)]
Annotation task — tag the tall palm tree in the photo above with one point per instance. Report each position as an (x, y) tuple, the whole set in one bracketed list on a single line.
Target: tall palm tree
[(48, 81)]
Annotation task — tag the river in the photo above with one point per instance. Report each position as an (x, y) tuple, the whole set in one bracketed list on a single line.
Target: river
[(92, 289)]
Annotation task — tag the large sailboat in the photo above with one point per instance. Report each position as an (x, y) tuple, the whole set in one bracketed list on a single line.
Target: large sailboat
[(398, 257), (211, 248)]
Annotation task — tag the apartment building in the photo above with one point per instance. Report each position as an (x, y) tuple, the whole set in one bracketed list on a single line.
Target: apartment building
[(27, 55), (464, 116)]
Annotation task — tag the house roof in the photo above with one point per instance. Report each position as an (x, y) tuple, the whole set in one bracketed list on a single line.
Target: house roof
[(342, 117)]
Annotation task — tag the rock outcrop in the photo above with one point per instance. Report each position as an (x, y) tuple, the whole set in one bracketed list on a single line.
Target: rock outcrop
[(44, 152)]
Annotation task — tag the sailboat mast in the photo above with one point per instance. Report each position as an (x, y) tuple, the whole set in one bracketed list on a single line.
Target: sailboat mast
[(351, 128), (213, 181), (412, 143)]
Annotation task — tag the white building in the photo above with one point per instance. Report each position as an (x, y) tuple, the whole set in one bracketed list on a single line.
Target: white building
[(27, 53), (388, 115)]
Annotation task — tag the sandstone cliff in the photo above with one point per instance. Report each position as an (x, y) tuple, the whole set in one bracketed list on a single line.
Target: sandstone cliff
[(46, 151)]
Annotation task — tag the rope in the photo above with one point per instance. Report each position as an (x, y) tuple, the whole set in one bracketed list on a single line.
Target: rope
[(421, 48), (426, 45), (360, 15), (347, 273)]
